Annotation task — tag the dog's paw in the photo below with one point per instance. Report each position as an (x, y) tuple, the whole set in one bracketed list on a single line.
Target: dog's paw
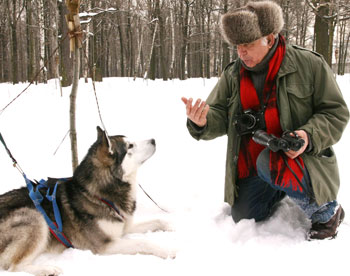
[(161, 225), (166, 253), (40, 270), (171, 254), (48, 270)]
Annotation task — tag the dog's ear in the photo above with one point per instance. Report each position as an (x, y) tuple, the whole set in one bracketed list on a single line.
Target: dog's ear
[(103, 153), (101, 136), (100, 132)]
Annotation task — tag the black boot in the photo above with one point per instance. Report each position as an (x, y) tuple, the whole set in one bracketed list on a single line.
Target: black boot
[(328, 230)]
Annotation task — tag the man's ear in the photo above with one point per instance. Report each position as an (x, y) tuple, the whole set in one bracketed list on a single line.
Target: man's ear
[(271, 40)]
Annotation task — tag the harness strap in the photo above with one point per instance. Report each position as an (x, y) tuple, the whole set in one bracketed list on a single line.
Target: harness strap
[(112, 205), (37, 198), (61, 238)]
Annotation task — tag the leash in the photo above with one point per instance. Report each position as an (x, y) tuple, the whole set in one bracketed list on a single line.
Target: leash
[(97, 102), (37, 198), (152, 199), (15, 163)]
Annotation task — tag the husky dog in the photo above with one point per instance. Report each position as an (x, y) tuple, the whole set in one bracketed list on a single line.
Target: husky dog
[(107, 174)]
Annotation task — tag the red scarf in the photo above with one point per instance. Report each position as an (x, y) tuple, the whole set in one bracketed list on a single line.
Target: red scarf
[(250, 150)]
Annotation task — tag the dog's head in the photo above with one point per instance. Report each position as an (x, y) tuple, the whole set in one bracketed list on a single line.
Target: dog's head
[(120, 155)]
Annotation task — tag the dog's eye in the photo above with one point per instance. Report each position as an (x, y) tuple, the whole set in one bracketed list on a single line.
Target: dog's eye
[(130, 146)]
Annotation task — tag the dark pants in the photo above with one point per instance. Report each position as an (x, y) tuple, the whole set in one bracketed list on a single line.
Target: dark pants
[(256, 199), (257, 195)]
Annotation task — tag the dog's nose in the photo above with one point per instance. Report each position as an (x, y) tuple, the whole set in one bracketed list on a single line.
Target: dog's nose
[(153, 142)]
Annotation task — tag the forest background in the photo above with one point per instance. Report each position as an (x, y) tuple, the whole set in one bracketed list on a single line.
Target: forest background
[(163, 39)]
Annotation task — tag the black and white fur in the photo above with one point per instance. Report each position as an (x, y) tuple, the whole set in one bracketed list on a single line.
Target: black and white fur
[(108, 171)]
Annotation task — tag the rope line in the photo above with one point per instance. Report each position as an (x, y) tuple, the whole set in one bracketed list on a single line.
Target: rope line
[(96, 98)]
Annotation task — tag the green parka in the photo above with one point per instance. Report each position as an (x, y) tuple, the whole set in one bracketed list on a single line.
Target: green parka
[(308, 98)]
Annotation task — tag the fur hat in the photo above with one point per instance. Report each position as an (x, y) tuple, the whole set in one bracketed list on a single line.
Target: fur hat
[(251, 22)]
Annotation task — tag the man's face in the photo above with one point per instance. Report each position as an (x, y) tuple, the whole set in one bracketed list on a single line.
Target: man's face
[(254, 52)]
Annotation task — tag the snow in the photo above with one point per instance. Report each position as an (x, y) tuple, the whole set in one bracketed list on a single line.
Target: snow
[(185, 176)]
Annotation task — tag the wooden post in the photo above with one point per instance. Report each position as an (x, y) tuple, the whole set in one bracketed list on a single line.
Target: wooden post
[(75, 35)]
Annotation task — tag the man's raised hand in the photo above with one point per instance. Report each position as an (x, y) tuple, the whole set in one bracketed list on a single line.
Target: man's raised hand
[(197, 113)]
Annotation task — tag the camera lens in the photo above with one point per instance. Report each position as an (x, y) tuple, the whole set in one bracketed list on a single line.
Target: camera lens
[(283, 145), (248, 120), (296, 145)]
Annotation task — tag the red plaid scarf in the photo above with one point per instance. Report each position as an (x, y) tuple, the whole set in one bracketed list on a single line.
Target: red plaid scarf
[(250, 150)]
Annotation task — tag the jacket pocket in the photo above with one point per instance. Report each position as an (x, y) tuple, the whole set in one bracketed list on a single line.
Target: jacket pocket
[(324, 174), (327, 155), (300, 102)]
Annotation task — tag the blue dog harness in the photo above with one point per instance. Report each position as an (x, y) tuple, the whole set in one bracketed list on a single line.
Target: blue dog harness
[(37, 198)]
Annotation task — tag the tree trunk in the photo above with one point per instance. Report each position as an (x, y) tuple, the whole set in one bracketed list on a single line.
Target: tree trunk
[(130, 40), (138, 70), (2, 56), (150, 68), (121, 42), (346, 51), (208, 41), (43, 77), (30, 42), (305, 23), (162, 58), (75, 45), (85, 59), (343, 47), (14, 51), (173, 48), (184, 42), (224, 45), (72, 110), (286, 23), (66, 64), (321, 30)]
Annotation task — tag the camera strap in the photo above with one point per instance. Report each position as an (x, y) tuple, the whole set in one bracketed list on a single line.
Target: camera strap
[(263, 103)]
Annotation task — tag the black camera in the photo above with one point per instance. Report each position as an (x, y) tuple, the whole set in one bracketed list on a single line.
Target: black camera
[(249, 121), (285, 143)]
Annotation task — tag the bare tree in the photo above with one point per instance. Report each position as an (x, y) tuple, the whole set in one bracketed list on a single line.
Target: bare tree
[(327, 14), (149, 64), (14, 12), (342, 50), (75, 43)]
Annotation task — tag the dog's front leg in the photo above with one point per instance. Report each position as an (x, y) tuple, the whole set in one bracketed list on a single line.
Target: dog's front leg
[(147, 226), (136, 246)]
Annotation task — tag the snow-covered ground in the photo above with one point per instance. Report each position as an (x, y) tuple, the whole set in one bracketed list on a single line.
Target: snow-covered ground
[(185, 176)]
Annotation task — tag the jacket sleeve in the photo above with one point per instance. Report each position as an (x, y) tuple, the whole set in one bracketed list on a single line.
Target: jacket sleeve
[(330, 112), (217, 118)]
